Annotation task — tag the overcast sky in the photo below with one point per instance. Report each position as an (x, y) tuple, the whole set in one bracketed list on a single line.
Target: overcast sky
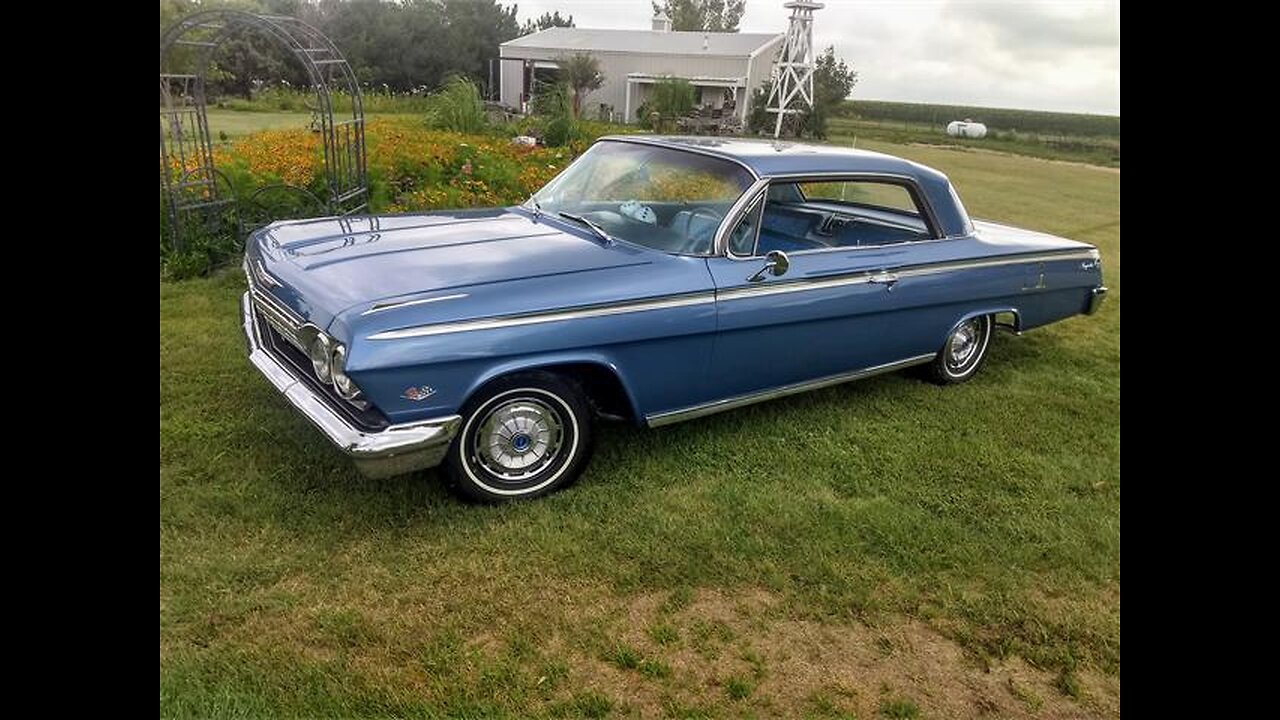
[(1036, 54)]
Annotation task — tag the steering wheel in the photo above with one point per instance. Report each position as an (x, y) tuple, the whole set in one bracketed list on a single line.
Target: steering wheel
[(715, 215), (695, 236)]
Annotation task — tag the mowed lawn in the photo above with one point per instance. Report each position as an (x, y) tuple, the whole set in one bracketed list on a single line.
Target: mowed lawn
[(234, 123), (885, 548)]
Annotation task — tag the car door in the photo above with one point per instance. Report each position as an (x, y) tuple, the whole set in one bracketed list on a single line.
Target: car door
[(837, 309)]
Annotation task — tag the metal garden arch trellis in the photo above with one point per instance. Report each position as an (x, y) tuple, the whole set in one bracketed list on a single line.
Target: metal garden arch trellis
[(191, 188)]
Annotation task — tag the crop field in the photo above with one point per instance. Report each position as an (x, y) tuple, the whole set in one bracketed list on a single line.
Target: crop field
[(1031, 121), (886, 548), (1091, 139)]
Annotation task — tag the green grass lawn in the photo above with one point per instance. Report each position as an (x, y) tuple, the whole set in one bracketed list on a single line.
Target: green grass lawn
[(887, 548), (236, 123)]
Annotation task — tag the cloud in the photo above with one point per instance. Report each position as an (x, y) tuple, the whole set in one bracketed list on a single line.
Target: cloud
[(1046, 54), (1039, 27)]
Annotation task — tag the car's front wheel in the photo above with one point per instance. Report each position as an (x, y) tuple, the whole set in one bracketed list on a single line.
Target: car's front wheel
[(963, 352), (522, 436)]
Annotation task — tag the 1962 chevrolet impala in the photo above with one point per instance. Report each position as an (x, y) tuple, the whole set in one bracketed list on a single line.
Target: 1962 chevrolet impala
[(656, 280)]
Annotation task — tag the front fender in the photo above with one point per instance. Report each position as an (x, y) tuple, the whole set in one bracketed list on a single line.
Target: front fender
[(550, 360), (409, 392)]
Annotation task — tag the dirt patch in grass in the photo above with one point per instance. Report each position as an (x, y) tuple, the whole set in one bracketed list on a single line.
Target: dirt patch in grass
[(742, 653), (801, 666), (681, 653)]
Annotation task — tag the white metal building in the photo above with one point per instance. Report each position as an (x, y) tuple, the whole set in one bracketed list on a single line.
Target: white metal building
[(722, 67)]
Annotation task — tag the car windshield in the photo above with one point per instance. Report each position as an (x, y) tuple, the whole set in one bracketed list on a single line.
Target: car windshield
[(661, 198)]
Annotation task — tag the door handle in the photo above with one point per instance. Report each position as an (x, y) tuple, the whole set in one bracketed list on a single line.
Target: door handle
[(884, 278)]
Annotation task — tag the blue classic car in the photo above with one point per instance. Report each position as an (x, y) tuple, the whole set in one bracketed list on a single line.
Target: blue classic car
[(656, 279)]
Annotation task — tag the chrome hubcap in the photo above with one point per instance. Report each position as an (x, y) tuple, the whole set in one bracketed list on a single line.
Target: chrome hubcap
[(963, 347), (518, 439)]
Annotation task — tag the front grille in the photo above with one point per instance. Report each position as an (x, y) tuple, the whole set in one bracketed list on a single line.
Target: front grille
[(280, 347)]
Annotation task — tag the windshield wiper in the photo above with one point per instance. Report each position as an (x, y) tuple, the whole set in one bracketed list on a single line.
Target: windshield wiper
[(599, 231), (537, 207)]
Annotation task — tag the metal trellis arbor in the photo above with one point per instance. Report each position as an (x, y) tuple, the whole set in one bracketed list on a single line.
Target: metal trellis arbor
[(190, 186)]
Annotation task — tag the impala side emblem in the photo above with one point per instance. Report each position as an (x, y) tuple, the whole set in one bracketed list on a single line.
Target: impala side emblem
[(418, 393)]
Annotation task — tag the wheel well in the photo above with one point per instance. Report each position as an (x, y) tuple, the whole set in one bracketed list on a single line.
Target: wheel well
[(603, 387), (601, 384), (1010, 320)]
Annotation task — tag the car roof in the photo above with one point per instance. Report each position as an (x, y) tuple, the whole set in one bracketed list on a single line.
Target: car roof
[(783, 157), (771, 158)]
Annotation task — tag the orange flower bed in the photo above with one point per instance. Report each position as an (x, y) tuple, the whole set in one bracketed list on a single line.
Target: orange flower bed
[(410, 167)]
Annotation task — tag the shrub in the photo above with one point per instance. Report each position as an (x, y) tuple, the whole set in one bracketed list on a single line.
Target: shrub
[(671, 98), (560, 123), (457, 106)]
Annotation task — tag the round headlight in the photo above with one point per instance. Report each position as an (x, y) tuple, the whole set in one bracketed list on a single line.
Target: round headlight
[(344, 385), (321, 358)]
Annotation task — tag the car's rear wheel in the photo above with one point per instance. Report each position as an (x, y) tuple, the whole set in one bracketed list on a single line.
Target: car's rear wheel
[(522, 436), (963, 352)]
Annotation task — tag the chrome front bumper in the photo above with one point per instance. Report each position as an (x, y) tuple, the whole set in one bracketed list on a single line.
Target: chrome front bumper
[(396, 450)]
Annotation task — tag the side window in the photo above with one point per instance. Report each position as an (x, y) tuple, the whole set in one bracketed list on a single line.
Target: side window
[(841, 213), (742, 241)]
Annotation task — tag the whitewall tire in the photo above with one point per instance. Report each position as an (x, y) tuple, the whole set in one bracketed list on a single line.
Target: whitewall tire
[(522, 436)]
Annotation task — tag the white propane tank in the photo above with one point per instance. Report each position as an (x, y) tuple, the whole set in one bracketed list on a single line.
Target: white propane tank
[(966, 129)]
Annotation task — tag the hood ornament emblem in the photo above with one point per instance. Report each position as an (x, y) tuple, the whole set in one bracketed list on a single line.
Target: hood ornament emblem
[(417, 394)]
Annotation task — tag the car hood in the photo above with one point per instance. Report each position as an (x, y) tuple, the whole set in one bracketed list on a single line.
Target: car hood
[(451, 265)]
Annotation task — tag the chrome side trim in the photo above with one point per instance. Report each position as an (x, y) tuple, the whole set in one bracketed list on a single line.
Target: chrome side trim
[(676, 301), (697, 411), (865, 276), (380, 306), (947, 266), (395, 450), (738, 293)]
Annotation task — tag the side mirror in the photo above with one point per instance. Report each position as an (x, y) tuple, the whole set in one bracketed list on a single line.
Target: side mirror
[(776, 263)]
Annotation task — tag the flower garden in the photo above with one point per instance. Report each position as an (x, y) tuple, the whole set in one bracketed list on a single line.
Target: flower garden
[(410, 168)]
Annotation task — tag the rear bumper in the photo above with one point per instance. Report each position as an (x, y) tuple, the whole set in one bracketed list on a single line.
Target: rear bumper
[(1095, 300), (396, 450)]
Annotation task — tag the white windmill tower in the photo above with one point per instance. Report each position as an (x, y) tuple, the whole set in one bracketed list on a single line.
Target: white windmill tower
[(793, 73)]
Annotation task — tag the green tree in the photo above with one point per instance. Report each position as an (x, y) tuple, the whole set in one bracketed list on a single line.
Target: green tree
[(706, 15), (248, 60), (833, 80), (402, 45), (475, 30), (548, 20), (581, 73)]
